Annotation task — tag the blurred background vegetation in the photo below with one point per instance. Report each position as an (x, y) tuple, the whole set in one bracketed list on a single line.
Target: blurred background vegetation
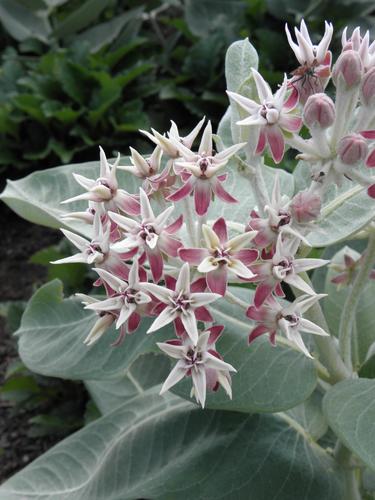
[(78, 73)]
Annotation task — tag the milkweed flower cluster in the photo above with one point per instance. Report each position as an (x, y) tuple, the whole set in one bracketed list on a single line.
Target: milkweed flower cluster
[(161, 257)]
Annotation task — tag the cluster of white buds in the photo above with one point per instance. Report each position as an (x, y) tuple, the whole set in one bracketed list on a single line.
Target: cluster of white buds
[(172, 270)]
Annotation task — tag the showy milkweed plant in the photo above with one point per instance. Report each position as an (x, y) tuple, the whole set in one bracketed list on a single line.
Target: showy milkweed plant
[(221, 281)]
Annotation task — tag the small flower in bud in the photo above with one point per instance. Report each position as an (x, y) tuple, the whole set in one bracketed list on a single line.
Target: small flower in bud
[(352, 149), (319, 111), (305, 206), (368, 88), (348, 68)]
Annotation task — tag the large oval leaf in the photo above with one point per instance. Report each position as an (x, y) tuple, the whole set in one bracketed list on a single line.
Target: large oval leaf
[(163, 448), (350, 409), (268, 379), (345, 211)]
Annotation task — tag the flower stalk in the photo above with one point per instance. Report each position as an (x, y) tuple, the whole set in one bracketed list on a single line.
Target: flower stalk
[(349, 310)]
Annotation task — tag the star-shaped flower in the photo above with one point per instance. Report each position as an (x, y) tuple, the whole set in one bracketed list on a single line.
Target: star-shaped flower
[(105, 189), (199, 172), (272, 317), (151, 234), (201, 361), (181, 303), (221, 256), (272, 115)]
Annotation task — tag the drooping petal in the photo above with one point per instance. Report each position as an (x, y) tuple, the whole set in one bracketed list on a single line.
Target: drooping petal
[(262, 291), (310, 327), (155, 259), (241, 240), (246, 255), (221, 192), (217, 280), (175, 226), (203, 314), (220, 228), (193, 255), (257, 332), (125, 313), (276, 142), (133, 322), (183, 191), (169, 245), (290, 122), (217, 363), (298, 282), (211, 238), (202, 196), (261, 142)]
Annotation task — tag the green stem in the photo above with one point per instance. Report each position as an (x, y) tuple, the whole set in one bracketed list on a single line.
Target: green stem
[(343, 457), (351, 302), (258, 185), (189, 220), (328, 353)]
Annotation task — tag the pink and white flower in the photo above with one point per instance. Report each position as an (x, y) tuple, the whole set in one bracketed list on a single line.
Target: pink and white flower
[(272, 116), (199, 172), (282, 267), (151, 235), (96, 251), (168, 144), (181, 303), (221, 256), (271, 317), (105, 189), (148, 170), (360, 44), (313, 73), (284, 216), (102, 324), (201, 361), (126, 301)]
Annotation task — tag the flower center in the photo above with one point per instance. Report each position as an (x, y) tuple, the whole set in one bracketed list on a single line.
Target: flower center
[(181, 302), (282, 269), (292, 319), (194, 356), (269, 112)]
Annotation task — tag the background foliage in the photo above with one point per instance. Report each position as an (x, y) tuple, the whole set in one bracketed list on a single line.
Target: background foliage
[(77, 74)]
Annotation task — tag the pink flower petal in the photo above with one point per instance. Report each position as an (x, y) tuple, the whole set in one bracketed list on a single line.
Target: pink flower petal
[(368, 134), (257, 332), (133, 322), (198, 285), (170, 282), (202, 196), (220, 229), (247, 256), (184, 191), (371, 191), (292, 100), (169, 245), (193, 255), (175, 226), (155, 260), (179, 328), (276, 142), (128, 203), (215, 332), (370, 162), (217, 280), (263, 291), (221, 192), (261, 142), (203, 314), (290, 123)]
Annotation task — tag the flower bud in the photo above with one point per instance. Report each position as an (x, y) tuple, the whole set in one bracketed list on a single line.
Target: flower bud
[(319, 111), (368, 88), (352, 149), (349, 67), (305, 206)]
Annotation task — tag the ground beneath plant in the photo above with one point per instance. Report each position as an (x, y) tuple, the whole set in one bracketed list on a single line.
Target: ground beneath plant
[(18, 280)]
